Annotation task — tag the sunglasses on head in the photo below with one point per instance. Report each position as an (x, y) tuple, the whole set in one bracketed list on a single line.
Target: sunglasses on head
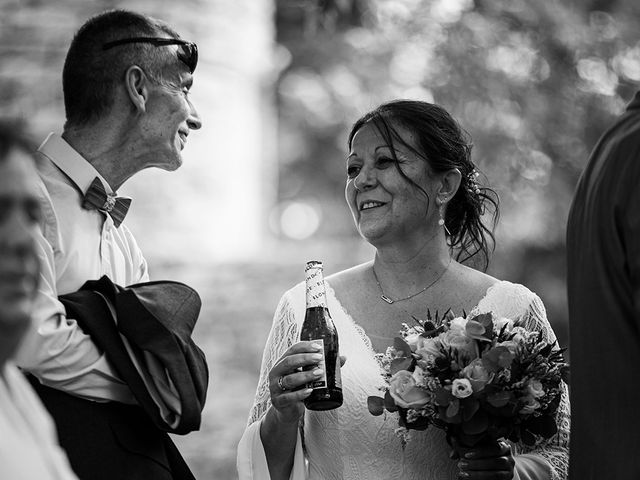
[(187, 53)]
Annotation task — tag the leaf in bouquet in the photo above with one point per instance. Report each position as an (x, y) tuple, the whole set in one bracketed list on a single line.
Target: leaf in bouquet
[(469, 408), (464, 441), (497, 358), (419, 321), (399, 364), (429, 326), (552, 406), (375, 405), (443, 397), (421, 423), (401, 346), (443, 364), (528, 438), (449, 315), (476, 330), (546, 350), (453, 408), (455, 420), (484, 319), (502, 330), (544, 426), (508, 411), (478, 424), (499, 430), (557, 356), (499, 399), (389, 403), (439, 423), (402, 417)]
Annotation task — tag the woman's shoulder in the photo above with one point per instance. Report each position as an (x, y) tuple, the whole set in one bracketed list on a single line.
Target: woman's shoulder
[(511, 300), (294, 295)]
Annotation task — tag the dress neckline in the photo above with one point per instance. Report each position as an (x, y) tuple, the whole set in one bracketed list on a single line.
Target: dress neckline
[(363, 333)]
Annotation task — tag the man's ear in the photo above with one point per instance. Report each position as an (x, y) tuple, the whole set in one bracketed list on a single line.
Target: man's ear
[(136, 85), (449, 184)]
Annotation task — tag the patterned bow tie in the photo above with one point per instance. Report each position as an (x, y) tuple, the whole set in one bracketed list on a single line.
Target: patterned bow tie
[(98, 198)]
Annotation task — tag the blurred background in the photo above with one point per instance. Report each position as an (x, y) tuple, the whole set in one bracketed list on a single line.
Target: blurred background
[(278, 85)]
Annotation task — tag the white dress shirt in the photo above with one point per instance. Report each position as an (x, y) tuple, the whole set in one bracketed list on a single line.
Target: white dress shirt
[(29, 448), (76, 245)]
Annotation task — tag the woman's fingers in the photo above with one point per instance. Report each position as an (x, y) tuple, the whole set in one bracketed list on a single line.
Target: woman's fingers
[(303, 347), (502, 475), (486, 464), (294, 381), (495, 449), (488, 461), (490, 450), (289, 398), (288, 378), (293, 362), (299, 355)]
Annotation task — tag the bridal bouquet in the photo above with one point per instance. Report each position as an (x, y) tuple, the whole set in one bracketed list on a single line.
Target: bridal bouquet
[(479, 378)]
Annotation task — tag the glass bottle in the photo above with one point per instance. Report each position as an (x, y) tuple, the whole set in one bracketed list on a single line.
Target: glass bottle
[(318, 327)]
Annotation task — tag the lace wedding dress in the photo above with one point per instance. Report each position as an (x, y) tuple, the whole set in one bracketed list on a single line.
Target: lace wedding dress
[(349, 443)]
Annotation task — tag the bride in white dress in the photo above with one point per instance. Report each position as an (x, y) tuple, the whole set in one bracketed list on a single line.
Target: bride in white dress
[(412, 189)]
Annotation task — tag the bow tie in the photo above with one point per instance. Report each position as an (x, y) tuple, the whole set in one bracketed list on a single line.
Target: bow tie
[(97, 198)]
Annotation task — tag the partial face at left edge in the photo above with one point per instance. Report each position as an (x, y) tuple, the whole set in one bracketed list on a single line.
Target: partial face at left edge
[(19, 266)]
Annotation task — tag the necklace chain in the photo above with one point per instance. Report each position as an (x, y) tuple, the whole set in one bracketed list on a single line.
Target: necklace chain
[(390, 301)]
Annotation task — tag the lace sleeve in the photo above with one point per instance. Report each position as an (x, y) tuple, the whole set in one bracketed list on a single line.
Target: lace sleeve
[(283, 335), (555, 449)]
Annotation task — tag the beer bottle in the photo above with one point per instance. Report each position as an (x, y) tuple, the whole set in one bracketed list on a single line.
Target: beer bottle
[(319, 328)]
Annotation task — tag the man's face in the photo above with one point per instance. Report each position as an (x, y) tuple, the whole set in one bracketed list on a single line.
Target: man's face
[(170, 118), (19, 265)]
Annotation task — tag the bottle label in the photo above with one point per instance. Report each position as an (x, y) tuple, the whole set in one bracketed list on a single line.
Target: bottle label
[(316, 296), (322, 381)]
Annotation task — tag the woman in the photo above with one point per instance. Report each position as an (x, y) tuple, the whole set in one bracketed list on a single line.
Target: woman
[(412, 189)]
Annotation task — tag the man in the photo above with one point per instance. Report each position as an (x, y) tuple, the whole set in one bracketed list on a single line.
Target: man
[(126, 82), (28, 444), (603, 247)]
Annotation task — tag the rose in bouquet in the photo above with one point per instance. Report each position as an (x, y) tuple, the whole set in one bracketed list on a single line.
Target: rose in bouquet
[(480, 378)]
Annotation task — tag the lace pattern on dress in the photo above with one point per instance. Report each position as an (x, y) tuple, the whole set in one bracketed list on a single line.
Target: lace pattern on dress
[(284, 333)]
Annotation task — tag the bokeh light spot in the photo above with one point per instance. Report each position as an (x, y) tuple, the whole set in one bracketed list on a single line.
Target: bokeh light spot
[(299, 220)]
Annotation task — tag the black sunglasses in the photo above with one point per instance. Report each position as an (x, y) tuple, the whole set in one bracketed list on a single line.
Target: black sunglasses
[(187, 53)]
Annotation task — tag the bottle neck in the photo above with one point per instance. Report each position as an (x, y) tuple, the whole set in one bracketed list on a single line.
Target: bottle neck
[(316, 294)]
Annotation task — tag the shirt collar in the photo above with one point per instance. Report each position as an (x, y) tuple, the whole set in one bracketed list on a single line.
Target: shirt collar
[(72, 164)]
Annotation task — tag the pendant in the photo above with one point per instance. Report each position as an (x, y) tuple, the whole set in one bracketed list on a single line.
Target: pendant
[(386, 299)]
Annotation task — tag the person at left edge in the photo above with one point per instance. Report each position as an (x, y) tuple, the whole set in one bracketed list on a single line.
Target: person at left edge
[(28, 446), (126, 82)]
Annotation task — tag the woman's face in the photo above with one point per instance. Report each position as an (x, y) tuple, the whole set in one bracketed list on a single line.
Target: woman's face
[(385, 206)]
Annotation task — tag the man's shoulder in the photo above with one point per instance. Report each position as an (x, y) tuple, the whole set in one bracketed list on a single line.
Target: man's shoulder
[(620, 140), (614, 164)]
